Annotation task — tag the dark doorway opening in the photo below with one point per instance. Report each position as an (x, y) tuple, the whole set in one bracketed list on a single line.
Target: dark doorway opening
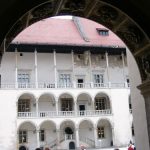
[(80, 83), (22, 148), (82, 109), (71, 145)]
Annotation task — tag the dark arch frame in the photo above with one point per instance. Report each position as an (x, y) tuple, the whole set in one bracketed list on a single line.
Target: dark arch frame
[(123, 26)]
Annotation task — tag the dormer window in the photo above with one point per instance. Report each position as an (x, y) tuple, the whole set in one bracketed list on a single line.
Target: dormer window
[(103, 32)]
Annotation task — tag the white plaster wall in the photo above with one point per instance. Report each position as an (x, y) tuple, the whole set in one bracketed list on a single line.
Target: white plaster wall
[(7, 69), (120, 107), (45, 67), (64, 61), (138, 106), (8, 123)]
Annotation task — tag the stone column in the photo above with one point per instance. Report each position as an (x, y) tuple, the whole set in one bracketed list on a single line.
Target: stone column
[(77, 138), (56, 106), (90, 66), (113, 136), (107, 67), (95, 136), (58, 138), (145, 91), (16, 68), (73, 76), (55, 69), (123, 65), (37, 108), (38, 137), (35, 65), (75, 106)]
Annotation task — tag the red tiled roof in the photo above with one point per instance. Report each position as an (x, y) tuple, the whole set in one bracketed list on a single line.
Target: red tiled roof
[(64, 31)]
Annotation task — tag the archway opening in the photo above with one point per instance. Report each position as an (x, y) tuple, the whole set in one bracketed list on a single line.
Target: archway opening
[(110, 23)]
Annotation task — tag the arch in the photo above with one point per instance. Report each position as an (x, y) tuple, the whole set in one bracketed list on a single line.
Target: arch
[(46, 103), (85, 119), (84, 102), (47, 93), (86, 131), (104, 130), (26, 93), (104, 103), (103, 93), (107, 119), (67, 120), (51, 121), (67, 93), (27, 121), (65, 102), (84, 92)]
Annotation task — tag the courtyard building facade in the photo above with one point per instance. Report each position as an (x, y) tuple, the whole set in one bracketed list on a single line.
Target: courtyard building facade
[(66, 90)]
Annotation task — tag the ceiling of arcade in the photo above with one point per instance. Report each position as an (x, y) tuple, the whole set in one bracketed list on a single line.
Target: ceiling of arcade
[(96, 10)]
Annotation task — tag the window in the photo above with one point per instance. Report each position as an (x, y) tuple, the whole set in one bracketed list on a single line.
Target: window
[(22, 136), (98, 78), (65, 80), (23, 78), (103, 32), (100, 103), (24, 105), (66, 104), (100, 132), (42, 135)]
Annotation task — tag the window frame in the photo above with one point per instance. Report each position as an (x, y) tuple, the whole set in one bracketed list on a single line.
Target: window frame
[(23, 133), (22, 104), (100, 78), (100, 103), (101, 132), (64, 79)]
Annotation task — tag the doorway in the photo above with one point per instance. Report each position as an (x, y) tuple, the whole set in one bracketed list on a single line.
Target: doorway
[(71, 145), (82, 109), (80, 82), (22, 148)]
